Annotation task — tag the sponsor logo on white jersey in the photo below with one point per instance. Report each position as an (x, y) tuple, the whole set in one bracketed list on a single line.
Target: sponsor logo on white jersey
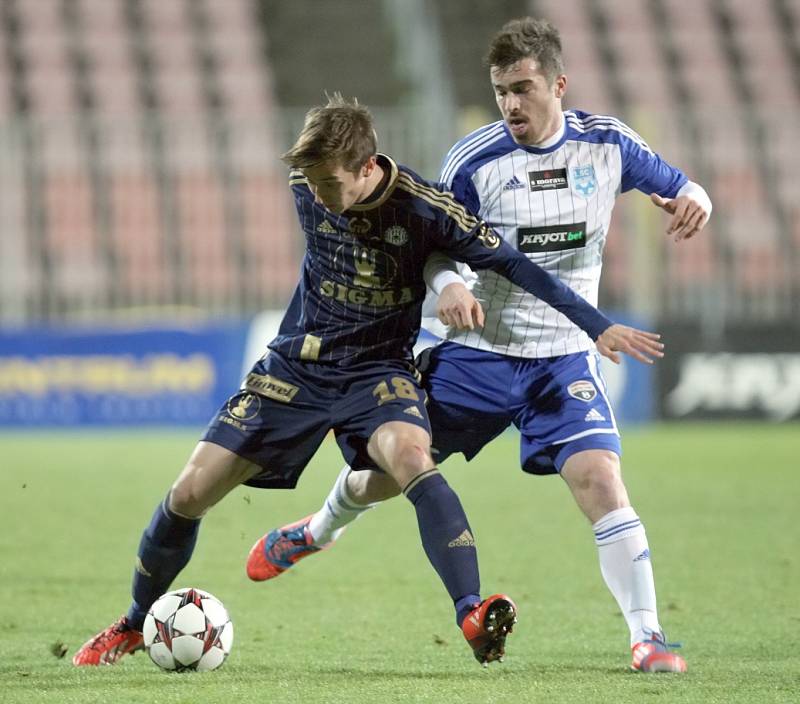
[(548, 180), (551, 238)]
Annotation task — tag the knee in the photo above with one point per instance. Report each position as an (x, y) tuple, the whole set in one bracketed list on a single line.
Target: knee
[(185, 498), (402, 450), (598, 472), (606, 473), (411, 460)]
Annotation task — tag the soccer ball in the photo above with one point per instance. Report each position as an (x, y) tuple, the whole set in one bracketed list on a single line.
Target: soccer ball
[(188, 629)]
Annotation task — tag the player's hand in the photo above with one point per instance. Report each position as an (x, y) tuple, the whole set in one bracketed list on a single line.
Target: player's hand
[(458, 307), (641, 345), (688, 216)]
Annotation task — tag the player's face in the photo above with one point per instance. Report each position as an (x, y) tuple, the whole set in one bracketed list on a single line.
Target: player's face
[(337, 189), (530, 104)]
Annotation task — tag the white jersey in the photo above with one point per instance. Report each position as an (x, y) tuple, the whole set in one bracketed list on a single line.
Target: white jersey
[(553, 202)]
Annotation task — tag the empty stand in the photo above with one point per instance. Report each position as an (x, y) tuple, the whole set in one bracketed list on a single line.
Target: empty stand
[(343, 46), (588, 86), (696, 37), (271, 233), (202, 220), (636, 44), (140, 138)]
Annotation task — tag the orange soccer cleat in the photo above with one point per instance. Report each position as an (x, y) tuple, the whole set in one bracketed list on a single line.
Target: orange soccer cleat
[(487, 626), (653, 655), (108, 646), (281, 548)]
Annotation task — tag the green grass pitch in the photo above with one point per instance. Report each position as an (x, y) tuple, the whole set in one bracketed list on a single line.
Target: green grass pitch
[(369, 621)]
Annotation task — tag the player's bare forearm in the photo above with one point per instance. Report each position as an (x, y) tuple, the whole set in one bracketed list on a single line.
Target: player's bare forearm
[(458, 307), (639, 344)]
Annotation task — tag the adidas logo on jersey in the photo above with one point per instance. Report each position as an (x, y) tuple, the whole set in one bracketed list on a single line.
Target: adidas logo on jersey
[(595, 415), (413, 411), (513, 184), (326, 228), (465, 540)]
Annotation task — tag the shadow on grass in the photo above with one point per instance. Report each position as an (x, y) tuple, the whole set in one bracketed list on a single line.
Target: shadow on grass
[(516, 671)]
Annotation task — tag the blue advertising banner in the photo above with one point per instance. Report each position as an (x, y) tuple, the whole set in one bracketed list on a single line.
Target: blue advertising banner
[(631, 387), (631, 384), (160, 376), (118, 377)]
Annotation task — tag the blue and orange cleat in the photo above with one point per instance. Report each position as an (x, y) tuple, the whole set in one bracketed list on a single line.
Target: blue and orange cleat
[(108, 646), (487, 626), (280, 549), (654, 655)]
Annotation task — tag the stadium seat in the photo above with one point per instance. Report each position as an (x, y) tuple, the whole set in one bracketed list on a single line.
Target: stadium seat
[(138, 236), (208, 250), (271, 233), (588, 87)]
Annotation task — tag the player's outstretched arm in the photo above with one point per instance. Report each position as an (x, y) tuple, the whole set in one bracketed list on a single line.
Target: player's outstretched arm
[(641, 345)]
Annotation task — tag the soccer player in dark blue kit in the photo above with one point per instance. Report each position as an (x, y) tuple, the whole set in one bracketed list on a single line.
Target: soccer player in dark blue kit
[(342, 362)]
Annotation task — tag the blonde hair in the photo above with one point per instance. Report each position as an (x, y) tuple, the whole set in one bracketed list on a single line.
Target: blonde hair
[(341, 131)]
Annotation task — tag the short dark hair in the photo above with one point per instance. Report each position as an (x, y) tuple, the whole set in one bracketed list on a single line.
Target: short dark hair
[(527, 38), (340, 131)]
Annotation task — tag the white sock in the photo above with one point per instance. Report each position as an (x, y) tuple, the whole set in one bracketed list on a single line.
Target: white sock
[(625, 565), (336, 513)]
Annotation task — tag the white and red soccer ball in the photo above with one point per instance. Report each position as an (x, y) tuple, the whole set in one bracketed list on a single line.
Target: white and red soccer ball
[(188, 629)]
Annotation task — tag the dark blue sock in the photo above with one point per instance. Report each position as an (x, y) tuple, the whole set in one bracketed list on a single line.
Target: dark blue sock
[(165, 549), (447, 539)]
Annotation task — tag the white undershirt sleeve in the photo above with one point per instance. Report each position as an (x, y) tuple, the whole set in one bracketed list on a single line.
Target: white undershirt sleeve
[(440, 271), (697, 193)]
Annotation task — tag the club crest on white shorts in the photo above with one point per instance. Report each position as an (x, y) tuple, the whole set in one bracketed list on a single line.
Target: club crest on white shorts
[(582, 390)]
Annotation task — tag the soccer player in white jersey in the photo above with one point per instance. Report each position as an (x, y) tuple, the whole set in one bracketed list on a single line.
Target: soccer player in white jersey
[(546, 179)]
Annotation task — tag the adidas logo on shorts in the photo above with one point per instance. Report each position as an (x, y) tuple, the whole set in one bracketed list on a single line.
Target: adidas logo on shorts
[(594, 415)]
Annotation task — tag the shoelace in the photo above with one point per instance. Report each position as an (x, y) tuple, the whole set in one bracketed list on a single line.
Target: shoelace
[(661, 639), (119, 627), (279, 549)]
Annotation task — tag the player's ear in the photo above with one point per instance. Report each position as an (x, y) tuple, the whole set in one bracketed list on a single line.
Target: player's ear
[(560, 86), (369, 166)]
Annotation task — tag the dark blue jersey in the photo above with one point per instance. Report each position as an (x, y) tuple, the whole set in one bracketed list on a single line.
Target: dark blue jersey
[(360, 295)]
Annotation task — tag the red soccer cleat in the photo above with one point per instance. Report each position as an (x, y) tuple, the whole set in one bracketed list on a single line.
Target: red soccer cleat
[(108, 646), (653, 655), (281, 548), (487, 626)]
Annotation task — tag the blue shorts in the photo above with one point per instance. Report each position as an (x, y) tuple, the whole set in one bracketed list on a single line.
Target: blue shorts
[(559, 404), (285, 408)]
